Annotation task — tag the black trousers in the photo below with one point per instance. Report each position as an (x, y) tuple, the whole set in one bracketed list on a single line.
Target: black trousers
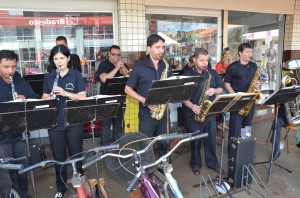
[(209, 142), (237, 122), (70, 139), (152, 128), (117, 130), (17, 150)]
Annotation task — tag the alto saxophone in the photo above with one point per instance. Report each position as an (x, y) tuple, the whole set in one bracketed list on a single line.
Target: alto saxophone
[(246, 109), (13, 90), (204, 101), (159, 111), (53, 94)]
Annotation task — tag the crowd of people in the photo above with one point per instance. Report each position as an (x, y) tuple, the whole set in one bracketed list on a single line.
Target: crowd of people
[(226, 78)]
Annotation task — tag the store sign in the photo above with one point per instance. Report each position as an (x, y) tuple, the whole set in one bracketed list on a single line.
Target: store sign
[(51, 21), (13, 21)]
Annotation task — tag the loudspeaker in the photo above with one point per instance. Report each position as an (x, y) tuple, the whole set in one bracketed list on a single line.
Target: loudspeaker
[(241, 153)]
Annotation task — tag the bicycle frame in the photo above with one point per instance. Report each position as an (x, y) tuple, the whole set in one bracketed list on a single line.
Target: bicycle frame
[(147, 189), (78, 181)]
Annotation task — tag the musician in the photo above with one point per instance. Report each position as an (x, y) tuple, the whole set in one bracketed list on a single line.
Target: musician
[(110, 68), (140, 81), (70, 86), (238, 78), (74, 58), (13, 145), (192, 107)]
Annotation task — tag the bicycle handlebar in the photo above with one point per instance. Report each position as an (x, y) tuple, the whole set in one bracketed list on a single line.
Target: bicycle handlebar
[(70, 161), (189, 138), (11, 166), (185, 137), (160, 137)]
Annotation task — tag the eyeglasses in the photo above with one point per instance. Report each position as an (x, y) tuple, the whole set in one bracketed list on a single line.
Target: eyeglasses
[(115, 54)]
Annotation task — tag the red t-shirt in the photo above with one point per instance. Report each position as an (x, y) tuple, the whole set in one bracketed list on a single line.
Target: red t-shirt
[(219, 67)]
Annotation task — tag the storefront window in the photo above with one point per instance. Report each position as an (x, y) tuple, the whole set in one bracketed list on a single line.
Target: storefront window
[(261, 31), (183, 34), (32, 35)]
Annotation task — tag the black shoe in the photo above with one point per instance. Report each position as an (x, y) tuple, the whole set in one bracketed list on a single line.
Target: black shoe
[(298, 145), (276, 154), (59, 195)]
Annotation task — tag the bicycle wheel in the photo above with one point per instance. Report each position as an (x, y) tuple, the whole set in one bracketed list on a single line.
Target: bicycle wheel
[(10, 193), (162, 184)]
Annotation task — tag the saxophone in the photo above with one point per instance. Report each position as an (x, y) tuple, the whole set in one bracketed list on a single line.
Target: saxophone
[(246, 109), (204, 101), (13, 90), (159, 111), (53, 94)]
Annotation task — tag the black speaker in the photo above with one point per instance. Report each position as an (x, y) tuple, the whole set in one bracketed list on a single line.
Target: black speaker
[(241, 153)]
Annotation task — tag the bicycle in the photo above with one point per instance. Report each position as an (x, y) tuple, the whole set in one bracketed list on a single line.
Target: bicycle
[(155, 185), (7, 188), (80, 182)]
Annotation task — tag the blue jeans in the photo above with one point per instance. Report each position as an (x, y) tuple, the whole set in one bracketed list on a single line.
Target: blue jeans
[(17, 150)]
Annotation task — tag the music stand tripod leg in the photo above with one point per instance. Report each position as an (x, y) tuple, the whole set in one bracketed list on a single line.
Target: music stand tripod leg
[(29, 161), (94, 145), (273, 148)]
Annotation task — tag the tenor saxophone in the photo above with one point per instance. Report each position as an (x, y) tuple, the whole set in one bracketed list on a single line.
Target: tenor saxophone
[(159, 111), (13, 90), (204, 101), (53, 94), (246, 109)]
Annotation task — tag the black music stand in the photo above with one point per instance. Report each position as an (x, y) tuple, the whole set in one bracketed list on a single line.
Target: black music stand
[(27, 115), (172, 90), (280, 96), (90, 109), (116, 86)]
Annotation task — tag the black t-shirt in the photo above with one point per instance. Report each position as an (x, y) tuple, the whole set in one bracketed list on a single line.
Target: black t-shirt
[(240, 76), (105, 67)]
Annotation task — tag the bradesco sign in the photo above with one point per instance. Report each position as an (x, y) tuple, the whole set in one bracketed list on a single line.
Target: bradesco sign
[(13, 21), (52, 21)]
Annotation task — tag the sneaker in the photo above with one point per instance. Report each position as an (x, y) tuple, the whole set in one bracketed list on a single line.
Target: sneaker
[(59, 195)]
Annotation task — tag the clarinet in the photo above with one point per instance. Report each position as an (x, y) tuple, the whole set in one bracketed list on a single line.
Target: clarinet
[(52, 94), (13, 90)]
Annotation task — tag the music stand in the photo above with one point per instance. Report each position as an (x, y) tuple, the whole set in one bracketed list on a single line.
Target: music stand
[(90, 109), (115, 86), (21, 116), (280, 96), (172, 90)]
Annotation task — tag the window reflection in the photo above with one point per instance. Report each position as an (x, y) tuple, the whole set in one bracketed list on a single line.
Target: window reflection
[(183, 34)]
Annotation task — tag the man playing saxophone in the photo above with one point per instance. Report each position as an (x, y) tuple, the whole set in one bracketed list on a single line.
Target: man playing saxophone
[(239, 76), (212, 85), (110, 68), (139, 82), (10, 82)]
